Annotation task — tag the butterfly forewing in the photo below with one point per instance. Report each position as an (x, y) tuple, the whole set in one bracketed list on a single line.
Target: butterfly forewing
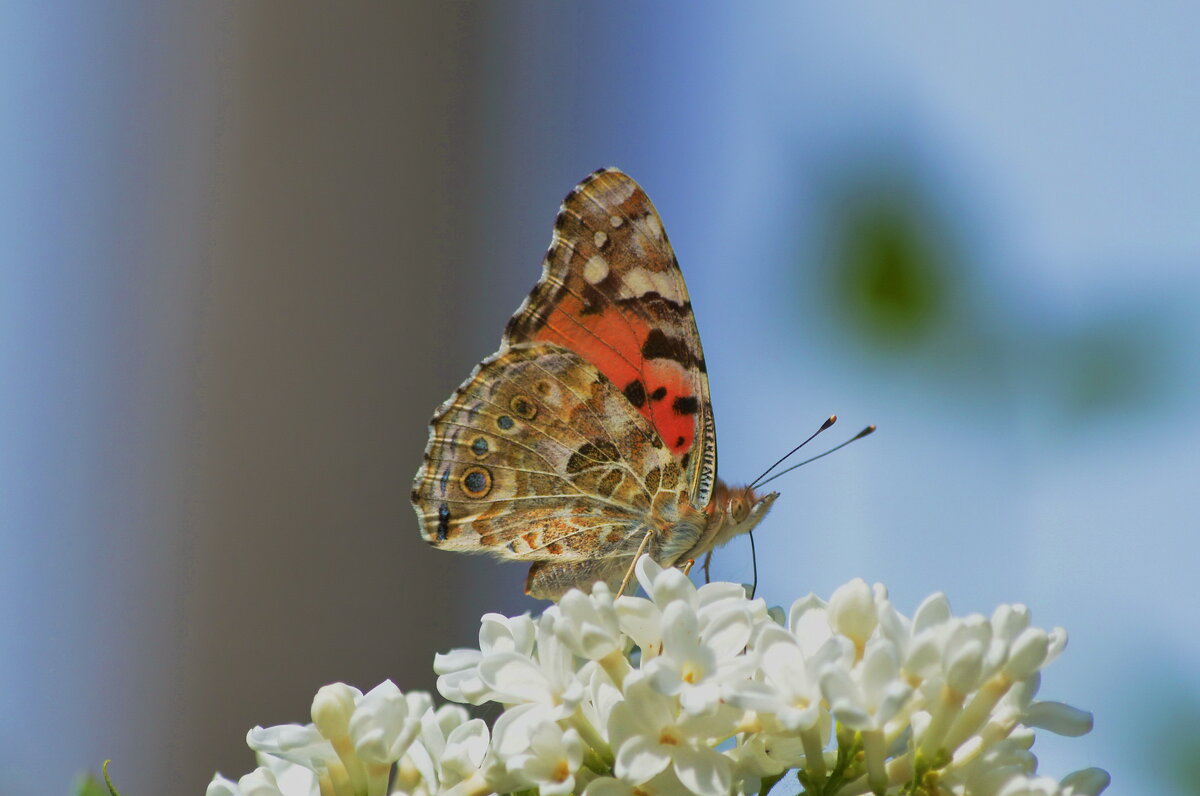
[(611, 291)]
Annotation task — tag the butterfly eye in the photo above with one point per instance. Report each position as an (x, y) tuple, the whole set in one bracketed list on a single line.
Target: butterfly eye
[(739, 510)]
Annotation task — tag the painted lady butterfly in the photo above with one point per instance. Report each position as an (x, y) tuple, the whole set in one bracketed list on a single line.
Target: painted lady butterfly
[(589, 435)]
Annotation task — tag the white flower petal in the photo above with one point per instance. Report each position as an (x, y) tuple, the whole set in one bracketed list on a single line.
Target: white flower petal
[(893, 626), (512, 732), (639, 759), (608, 786), (703, 771), (965, 667), (681, 629), (852, 611), (646, 570), (381, 727), (879, 669), (466, 746), (1058, 642), (295, 743), (259, 782), (221, 786), (700, 698), (894, 698), (729, 633), (640, 619), (1087, 782), (933, 611), (515, 678), (1028, 653), (671, 585), (499, 633), (718, 594), (1058, 718), (1009, 620)]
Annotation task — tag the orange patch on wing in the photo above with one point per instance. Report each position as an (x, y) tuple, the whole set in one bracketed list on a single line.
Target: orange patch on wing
[(613, 343), (677, 430), (608, 340)]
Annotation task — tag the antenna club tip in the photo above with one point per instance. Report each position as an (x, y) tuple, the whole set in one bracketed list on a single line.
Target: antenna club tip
[(832, 419), (866, 431)]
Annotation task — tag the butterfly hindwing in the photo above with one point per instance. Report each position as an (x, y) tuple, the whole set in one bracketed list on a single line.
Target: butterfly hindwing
[(611, 291), (539, 457)]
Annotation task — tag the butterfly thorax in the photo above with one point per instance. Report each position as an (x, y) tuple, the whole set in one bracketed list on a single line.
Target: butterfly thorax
[(733, 510)]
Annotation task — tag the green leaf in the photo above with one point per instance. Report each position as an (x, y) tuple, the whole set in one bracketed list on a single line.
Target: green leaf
[(88, 785), (112, 789)]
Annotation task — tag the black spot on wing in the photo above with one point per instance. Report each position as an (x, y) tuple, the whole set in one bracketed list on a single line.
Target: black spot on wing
[(658, 394), (659, 301), (685, 405), (635, 391), (594, 301), (660, 345), (443, 527)]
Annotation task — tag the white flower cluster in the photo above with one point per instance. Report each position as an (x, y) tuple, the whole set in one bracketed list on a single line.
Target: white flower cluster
[(699, 691)]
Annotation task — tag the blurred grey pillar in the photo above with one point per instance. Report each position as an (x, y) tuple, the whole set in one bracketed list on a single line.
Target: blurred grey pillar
[(347, 153)]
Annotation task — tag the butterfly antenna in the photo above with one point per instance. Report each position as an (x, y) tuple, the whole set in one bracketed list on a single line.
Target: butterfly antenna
[(864, 433), (832, 419)]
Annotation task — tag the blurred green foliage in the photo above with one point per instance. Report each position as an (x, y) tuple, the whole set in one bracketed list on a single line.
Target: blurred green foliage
[(901, 273), (891, 272), (1176, 742), (88, 785), (1111, 364)]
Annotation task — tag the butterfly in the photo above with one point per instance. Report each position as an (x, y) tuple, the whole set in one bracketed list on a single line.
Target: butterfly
[(588, 438)]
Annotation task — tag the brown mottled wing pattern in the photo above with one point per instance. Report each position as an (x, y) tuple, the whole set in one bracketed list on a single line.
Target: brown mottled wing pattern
[(539, 457), (548, 580), (611, 291)]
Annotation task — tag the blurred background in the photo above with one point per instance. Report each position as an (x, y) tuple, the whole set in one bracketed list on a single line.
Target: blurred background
[(246, 249)]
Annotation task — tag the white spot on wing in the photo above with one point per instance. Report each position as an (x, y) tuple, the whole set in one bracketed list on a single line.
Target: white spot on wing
[(640, 281), (653, 227), (595, 269), (600, 238), (667, 287), (619, 191), (616, 221)]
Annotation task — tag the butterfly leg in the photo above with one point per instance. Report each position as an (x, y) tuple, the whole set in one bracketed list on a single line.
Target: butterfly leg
[(687, 567), (707, 561), (629, 573)]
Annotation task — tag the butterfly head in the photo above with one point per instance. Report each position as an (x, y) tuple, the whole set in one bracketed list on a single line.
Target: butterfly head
[(738, 509)]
